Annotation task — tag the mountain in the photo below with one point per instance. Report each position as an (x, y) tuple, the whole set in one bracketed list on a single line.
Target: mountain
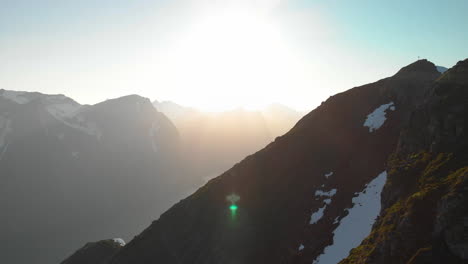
[(425, 201), (379, 171), (174, 111), (214, 142), (73, 173), (441, 69), (96, 252)]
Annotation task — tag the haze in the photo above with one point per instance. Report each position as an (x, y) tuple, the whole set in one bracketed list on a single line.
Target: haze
[(219, 55)]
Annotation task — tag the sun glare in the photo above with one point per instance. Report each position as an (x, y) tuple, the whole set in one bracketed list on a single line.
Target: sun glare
[(231, 58)]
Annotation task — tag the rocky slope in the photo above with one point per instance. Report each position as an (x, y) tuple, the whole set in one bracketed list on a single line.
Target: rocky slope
[(424, 218), (71, 173), (310, 196)]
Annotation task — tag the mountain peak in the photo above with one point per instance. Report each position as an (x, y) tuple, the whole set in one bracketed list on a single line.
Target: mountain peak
[(130, 103), (129, 99), (21, 97), (95, 252), (420, 67), (456, 74)]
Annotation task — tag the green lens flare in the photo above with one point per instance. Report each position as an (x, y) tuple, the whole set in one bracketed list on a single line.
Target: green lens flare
[(233, 207)]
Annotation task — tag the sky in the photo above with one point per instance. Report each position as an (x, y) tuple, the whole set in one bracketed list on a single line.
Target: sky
[(221, 54)]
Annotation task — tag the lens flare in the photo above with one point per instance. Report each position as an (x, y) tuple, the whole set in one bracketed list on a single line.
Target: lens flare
[(233, 199), (233, 208)]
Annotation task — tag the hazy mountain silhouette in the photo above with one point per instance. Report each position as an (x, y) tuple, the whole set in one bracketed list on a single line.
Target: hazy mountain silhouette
[(214, 142), (73, 173)]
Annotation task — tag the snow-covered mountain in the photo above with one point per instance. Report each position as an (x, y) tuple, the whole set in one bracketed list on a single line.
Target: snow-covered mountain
[(441, 69), (376, 174), (72, 172)]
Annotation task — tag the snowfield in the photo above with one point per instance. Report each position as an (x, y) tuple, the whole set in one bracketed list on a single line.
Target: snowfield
[(377, 118), (357, 225)]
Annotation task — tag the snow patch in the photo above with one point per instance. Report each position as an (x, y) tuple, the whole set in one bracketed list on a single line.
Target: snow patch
[(301, 247), (377, 118), (67, 112), (337, 220), (120, 241), (17, 97), (60, 107), (317, 215), (328, 174), (357, 224), (330, 193)]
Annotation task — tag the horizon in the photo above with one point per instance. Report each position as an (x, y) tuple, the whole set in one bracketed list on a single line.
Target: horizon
[(221, 110), (216, 56), (153, 102)]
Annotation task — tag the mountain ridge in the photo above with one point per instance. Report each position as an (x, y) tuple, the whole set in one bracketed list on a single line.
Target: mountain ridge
[(185, 233), (96, 164)]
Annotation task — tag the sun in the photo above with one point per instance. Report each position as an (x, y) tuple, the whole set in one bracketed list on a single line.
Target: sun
[(231, 58)]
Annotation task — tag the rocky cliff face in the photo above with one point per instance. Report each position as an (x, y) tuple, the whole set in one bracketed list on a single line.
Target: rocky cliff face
[(424, 215), (302, 198)]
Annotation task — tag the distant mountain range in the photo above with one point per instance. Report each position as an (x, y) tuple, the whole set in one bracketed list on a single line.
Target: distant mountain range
[(72, 172), (441, 69), (214, 142), (376, 174)]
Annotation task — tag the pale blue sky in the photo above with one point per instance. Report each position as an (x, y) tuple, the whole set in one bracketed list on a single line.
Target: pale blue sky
[(221, 54)]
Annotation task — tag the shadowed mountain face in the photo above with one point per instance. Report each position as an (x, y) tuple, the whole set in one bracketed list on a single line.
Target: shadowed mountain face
[(214, 142), (73, 173), (424, 210), (313, 194), (96, 252)]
